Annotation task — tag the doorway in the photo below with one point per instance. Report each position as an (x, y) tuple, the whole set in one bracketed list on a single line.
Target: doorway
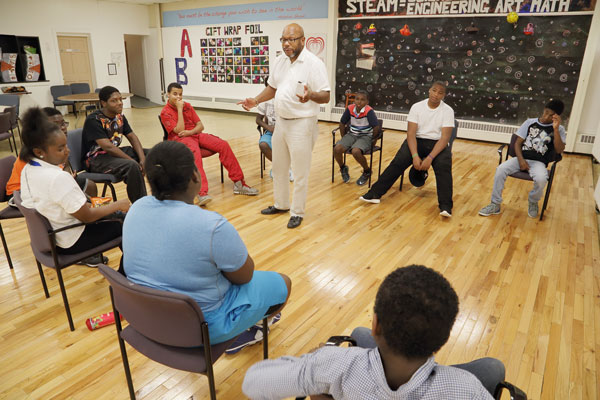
[(75, 59), (136, 74)]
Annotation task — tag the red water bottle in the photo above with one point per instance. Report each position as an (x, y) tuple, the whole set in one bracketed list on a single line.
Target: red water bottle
[(101, 321)]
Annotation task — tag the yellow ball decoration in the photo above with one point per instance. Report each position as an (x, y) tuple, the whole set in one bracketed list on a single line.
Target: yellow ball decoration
[(512, 17)]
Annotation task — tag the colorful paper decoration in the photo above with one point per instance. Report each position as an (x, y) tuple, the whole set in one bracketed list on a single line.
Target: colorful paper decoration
[(7, 67), (528, 29), (405, 31), (372, 30), (33, 67), (512, 18)]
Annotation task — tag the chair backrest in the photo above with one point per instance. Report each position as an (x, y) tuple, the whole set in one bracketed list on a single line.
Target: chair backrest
[(350, 98), (74, 139), (165, 133), (77, 88), (37, 225), (60, 90), (6, 166), (5, 124), (165, 317), (10, 100), (511, 147), (453, 135), (13, 115)]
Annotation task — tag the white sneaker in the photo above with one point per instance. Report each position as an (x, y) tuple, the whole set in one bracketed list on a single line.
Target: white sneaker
[(291, 176), (241, 188), (446, 213), (202, 200)]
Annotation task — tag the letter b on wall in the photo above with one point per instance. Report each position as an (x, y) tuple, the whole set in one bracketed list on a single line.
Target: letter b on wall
[(180, 66)]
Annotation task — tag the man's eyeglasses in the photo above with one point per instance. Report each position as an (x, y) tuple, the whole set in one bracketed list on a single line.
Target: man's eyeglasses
[(290, 40)]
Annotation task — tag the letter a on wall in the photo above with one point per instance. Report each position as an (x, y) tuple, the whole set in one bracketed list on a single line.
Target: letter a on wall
[(185, 42)]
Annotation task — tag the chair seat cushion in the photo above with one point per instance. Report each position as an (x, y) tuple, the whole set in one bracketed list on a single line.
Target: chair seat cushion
[(375, 148), (206, 153), (6, 135), (46, 259), (522, 175), (184, 358), (10, 213), (98, 177)]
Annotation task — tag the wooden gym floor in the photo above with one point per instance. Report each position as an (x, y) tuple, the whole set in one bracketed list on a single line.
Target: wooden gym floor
[(529, 290)]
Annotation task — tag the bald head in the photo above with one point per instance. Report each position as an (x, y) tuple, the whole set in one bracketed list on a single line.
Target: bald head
[(292, 41), (293, 30)]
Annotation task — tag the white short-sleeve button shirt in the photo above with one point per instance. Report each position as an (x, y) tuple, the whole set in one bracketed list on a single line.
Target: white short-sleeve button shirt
[(285, 75)]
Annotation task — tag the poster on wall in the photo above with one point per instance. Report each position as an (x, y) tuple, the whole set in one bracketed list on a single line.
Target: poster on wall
[(224, 59), (226, 52), (495, 71)]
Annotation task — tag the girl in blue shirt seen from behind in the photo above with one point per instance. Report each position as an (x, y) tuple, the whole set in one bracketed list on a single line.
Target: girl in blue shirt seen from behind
[(171, 244)]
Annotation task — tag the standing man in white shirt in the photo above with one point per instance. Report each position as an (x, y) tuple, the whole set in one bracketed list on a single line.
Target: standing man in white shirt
[(299, 83), (430, 124)]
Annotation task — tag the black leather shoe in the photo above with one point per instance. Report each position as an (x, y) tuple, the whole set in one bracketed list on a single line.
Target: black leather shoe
[(272, 210), (294, 222)]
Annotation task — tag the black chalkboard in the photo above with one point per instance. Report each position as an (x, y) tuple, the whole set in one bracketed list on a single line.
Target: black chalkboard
[(498, 74)]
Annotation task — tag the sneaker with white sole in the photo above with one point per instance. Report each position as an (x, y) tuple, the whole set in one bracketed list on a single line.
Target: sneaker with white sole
[(202, 200), (533, 209), (446, 213), (490, 209), (291, 176), (369, 198), (249, 337), (270, 322), (94, 261), (240, 187)]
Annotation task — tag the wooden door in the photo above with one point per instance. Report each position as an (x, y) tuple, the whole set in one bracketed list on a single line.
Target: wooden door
[(75, 59)]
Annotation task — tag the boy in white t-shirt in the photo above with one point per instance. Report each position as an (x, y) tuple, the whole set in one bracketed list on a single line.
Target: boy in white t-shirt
[(430, 124)]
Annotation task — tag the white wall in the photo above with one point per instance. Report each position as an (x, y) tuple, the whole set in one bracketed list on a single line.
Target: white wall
[(590, 119), (104, 22)]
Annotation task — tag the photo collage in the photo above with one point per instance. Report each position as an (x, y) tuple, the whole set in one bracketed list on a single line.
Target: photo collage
[(225, 60)]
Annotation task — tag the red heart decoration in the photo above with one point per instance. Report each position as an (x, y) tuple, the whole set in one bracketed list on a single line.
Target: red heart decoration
[(315, 44)]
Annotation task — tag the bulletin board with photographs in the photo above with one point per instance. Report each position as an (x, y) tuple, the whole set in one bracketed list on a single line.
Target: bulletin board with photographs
[(225, 60)]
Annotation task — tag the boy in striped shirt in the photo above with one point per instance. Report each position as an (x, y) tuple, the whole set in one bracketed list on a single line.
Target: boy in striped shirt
[(363, 131)]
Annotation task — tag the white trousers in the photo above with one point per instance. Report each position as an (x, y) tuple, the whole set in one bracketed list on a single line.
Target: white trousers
[(293, 142)]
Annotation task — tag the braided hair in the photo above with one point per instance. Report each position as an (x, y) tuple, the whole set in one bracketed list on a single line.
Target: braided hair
[(37, 132), (169, 167)]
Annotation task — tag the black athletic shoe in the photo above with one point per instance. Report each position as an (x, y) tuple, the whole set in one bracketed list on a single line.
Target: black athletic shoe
[(345, 174), (364, 178)]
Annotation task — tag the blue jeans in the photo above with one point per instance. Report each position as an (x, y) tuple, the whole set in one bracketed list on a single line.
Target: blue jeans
[(489, 371), (537, 170)]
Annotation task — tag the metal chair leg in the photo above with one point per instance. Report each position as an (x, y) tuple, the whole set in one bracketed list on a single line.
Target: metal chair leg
[(265, 330), (5, 248), (119, 328), (547, 196), (42, 278), (208, 361), (222, 180), (65, 300)]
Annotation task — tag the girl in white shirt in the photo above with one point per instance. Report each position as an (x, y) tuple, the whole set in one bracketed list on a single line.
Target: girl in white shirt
[(54, 193)]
